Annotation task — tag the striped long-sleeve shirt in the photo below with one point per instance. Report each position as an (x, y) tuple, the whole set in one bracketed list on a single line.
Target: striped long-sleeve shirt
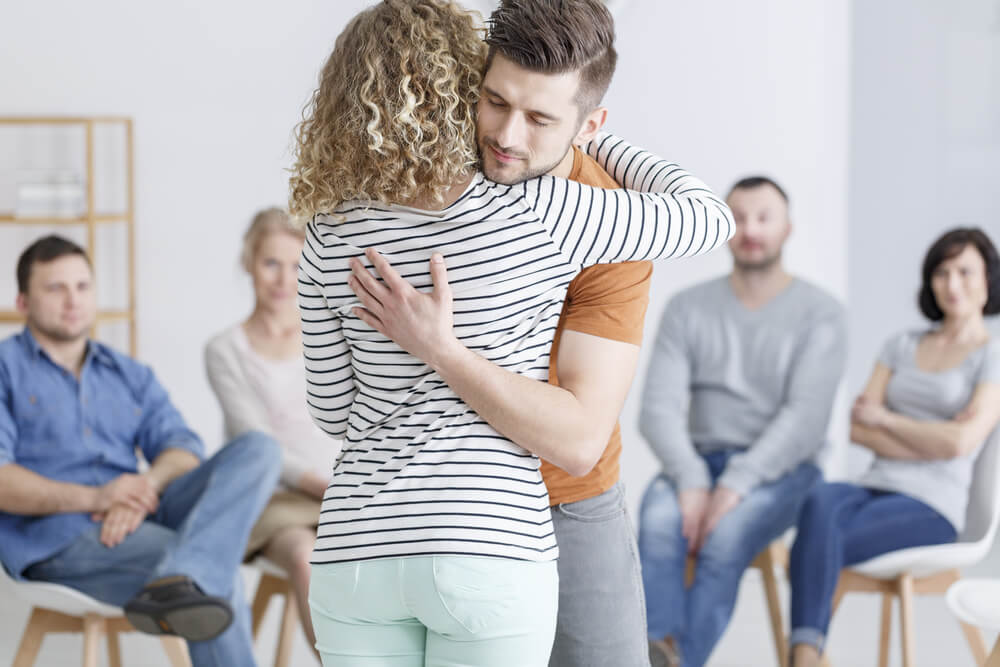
[(421, 473)]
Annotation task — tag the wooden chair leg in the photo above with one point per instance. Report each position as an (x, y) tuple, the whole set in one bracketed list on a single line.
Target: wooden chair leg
[(885, 635), (31, 640), (93, 628), (267, 588), (774, 609), (994, 659), (114, 649), (176, 650), (286, 636), (976, 643), (905, 584)]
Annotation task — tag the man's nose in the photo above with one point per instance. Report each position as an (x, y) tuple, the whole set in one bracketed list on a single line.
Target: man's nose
[(511, 132)]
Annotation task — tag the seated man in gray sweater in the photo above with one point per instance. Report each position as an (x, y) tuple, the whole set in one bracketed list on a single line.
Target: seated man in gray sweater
[(736, 406)]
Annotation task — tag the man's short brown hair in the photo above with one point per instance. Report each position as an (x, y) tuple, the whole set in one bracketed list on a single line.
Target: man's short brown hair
[(558, 36), (46, 249)]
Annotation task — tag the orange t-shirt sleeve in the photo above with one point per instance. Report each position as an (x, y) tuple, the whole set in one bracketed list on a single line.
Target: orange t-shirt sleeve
[(610, 301)]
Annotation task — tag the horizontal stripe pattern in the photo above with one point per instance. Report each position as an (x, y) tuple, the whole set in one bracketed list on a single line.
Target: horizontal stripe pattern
[(420, 473)]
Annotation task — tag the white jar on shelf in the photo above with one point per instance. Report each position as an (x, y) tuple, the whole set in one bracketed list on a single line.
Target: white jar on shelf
[(50, 194)]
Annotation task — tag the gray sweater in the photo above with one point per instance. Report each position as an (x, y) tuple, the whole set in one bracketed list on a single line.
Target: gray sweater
[(723, 376), (934, 396)]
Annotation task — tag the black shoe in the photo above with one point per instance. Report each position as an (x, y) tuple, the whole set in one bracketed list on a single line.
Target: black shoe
[(176, 606)]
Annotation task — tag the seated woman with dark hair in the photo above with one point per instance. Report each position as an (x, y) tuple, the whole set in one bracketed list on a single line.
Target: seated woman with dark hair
[(932, 401)]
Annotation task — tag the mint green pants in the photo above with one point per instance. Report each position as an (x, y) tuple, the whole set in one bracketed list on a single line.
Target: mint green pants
[(434, 611)]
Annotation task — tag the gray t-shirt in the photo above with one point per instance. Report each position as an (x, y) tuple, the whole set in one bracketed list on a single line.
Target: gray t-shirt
[(723, 376), (932, 396)]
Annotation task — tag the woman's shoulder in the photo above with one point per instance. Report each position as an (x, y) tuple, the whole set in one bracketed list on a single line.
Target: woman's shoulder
[(901, 346), (226, 343), (991, 353), (911, 336)]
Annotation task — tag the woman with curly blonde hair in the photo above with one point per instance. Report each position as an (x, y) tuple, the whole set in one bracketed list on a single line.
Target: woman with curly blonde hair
[(435, 543)]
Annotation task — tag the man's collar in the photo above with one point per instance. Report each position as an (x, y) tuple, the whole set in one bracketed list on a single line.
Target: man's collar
[(99, 352), (94, 349), (29, 342)]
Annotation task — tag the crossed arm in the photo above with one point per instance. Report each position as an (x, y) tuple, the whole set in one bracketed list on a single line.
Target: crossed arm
[(896, 436), (567, 425)]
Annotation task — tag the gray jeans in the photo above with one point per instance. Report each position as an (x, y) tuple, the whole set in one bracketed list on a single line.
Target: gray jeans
[(602, 613)]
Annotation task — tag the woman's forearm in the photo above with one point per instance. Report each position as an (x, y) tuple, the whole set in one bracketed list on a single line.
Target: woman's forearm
[(883, 443), (931, 439)]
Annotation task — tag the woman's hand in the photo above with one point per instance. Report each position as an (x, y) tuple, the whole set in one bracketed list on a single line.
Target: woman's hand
[(869, 413), (312, 484)]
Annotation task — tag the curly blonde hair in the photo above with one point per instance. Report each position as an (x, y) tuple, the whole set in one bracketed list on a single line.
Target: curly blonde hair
[(393, 119)]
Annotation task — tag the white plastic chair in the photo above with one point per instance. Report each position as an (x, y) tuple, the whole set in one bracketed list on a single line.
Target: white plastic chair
[(920, 570), (58, 608), (977, 602), (274, 581)]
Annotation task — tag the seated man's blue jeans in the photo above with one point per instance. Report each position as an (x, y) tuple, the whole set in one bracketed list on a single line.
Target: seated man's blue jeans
[(697, 617), (845, 524), (200, 530)]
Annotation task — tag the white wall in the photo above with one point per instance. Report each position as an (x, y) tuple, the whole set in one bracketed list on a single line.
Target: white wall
[(723, 87)]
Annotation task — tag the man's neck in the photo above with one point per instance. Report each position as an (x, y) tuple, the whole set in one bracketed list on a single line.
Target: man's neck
[(565, 166), (756, 287), (68, 354)]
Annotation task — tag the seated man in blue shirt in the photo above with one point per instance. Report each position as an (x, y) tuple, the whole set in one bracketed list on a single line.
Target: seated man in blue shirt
[(165, 543)]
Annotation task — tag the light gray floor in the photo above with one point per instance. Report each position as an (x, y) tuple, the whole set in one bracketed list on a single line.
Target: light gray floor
[(747, 643)]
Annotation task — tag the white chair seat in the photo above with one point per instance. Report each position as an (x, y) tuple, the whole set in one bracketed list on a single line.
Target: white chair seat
[(981, 522), (56, 608), (923, 561), (976, 601), (57, 598)]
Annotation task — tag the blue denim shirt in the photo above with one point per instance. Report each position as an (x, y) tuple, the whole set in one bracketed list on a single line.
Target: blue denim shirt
[(82, 431)]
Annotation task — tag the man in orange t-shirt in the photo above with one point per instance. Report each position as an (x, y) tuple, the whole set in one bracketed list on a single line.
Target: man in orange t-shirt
[(547, 70)]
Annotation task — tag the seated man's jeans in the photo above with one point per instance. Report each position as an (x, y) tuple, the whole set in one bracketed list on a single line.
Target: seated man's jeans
[(199, 530), (697, 617), (845, 524)]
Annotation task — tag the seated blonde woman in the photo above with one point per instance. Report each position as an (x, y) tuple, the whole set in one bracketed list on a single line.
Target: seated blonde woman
[(932, 400), (257, 373)]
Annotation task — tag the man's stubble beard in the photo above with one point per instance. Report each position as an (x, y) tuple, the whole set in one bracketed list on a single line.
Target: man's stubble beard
[(527, 174), (58, 334), (760, 266)]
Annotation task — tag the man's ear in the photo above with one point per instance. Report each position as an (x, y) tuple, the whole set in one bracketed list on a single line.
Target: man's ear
[(22, 303), (788, 232), (592, 124)]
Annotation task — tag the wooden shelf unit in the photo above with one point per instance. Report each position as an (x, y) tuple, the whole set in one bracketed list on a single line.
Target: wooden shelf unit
[(91, 218)]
